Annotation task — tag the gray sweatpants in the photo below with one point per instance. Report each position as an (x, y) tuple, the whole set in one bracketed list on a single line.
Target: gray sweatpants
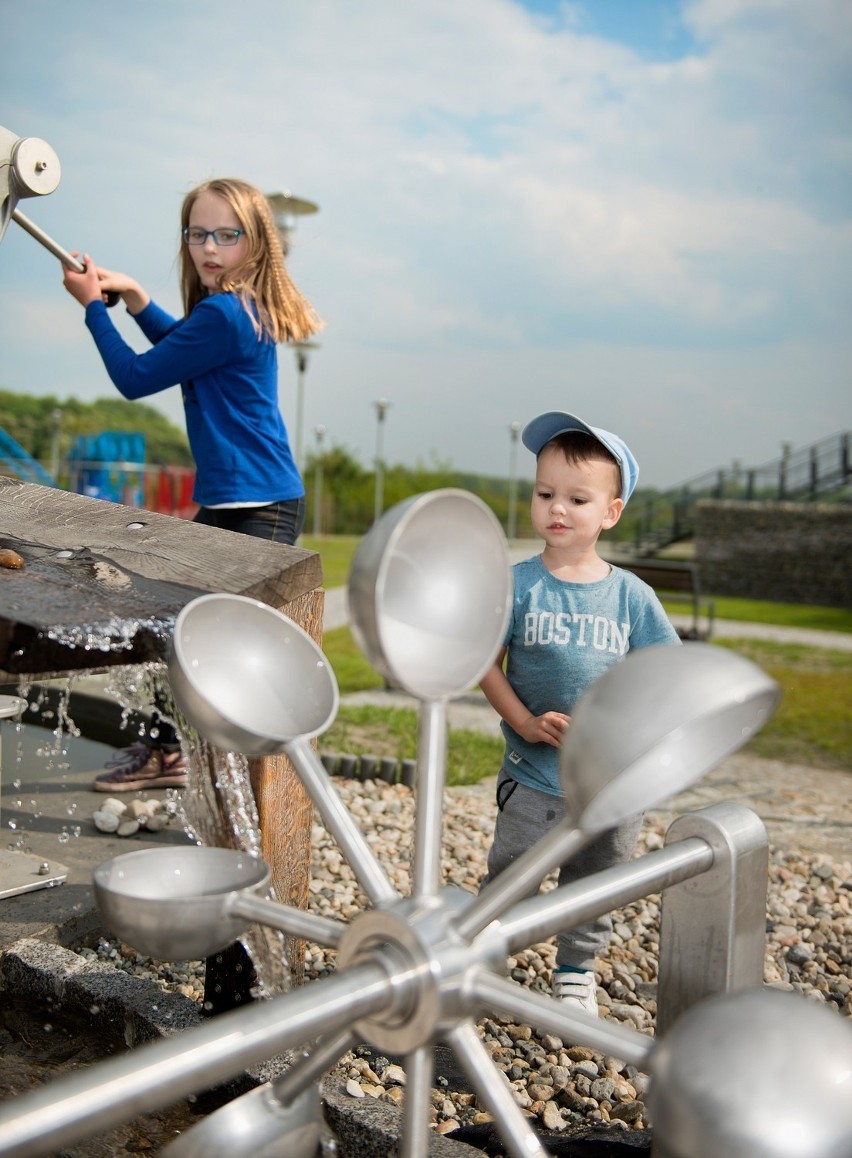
[(524, 816)]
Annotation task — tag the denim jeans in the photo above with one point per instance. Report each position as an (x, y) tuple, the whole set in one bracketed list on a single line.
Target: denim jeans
[(279, 522)]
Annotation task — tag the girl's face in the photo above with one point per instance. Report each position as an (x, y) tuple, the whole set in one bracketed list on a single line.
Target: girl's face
[(573, 502), (210, 211)]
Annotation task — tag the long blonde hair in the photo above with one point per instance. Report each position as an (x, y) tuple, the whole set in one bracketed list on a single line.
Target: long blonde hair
[(278, 309)]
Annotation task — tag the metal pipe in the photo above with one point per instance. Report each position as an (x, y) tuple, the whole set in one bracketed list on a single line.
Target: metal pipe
[(522, 877), (326, 1053), (162, 1073), (549, 1016), (48, 242), (287, 919), (419, 1074), (517, 1134), (428, 816), (341, 823), (564, 908)]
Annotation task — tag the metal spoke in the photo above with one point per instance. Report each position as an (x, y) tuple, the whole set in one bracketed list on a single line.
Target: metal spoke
[(341, 824), (419, 1074), (312, 1066), (492, 1087), (428, 815), (288, 919), (523, 877), (162, 1073), (571, 905), (528, 1008)]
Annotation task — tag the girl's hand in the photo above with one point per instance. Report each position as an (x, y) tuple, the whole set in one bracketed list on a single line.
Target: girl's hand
[(86, 286), (87, 289), (548, 728)]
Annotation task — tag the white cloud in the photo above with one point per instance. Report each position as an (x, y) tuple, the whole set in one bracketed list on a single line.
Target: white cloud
[(501, 198)]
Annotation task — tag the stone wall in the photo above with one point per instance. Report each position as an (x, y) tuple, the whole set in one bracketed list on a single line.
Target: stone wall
[(787, 552)]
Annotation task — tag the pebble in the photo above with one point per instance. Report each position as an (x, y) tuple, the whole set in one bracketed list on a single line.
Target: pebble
[(808, 950), (106, 821), (125, 818)]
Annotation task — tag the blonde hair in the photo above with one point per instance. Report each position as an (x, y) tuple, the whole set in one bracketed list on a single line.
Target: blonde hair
[(277, 308)]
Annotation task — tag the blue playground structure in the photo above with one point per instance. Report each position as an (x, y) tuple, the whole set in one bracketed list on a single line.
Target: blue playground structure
[(14, 460), (110, 466)]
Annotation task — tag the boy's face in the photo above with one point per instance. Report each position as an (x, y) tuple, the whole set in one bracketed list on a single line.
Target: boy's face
[(574, 501)]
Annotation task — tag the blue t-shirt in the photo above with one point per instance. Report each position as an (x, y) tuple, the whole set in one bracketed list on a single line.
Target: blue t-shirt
[(229, 382), (561, 637)]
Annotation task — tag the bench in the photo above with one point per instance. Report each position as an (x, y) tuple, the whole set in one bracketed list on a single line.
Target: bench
[(677, 583)]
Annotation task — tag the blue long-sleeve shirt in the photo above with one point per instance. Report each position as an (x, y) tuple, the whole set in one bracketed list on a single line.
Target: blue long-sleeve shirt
[(229, 383)]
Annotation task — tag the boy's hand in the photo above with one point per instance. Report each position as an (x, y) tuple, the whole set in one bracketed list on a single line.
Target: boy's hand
[(545, 729)]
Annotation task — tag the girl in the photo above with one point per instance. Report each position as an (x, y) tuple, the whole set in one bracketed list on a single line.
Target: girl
[(239, 302)]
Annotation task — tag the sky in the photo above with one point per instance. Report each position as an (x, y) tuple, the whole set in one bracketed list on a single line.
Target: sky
[(638, 211)]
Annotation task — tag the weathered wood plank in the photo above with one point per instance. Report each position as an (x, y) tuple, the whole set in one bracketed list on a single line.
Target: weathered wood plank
[(99, 576)]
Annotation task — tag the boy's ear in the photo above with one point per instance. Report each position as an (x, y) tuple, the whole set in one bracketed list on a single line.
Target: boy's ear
[(613, 514)]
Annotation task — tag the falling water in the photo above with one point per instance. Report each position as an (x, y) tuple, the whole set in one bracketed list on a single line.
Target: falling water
[(217, 808)]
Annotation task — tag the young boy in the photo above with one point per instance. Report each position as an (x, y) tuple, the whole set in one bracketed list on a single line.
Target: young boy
[(573, 616)]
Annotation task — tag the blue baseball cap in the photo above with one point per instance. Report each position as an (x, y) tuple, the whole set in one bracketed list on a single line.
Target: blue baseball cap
[(537, 433)]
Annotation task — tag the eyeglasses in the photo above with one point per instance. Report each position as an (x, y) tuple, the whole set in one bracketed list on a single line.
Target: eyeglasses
[(194, 235)]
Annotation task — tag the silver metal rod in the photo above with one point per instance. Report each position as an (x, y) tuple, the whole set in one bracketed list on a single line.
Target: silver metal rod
[(48, 242), (287, 919), (419, 1075), (549, 1016), (311, 1068), (564, 908), (341, 824), (491, 1085), (428, 815), (162, 1073), (523, 877)]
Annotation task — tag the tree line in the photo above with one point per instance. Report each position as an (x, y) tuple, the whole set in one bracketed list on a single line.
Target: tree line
[(347, 490)]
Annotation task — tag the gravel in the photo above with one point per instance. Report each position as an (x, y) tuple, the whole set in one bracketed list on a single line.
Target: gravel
[(808, 950)]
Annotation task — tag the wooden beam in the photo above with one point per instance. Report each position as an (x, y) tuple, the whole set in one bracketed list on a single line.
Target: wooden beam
[(102, 583), (118, 576)]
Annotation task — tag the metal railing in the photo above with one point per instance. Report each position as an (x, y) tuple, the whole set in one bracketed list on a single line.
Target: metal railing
[(819, 471)]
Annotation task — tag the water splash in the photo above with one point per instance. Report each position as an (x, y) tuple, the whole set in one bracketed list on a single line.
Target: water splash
[(219, 810), (218, 807)]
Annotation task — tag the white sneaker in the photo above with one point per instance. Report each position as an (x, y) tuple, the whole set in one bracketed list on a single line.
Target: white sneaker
[(578, 989)]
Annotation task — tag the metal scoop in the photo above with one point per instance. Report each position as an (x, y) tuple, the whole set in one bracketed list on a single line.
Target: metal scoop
[(252, 681), (701, 1105), (650, 727), (186, 903), (429, 593)]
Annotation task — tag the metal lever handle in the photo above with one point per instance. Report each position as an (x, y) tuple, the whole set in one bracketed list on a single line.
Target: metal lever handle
[(64, 256)]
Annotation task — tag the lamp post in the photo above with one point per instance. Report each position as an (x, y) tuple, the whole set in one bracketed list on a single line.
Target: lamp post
[(381, 406), (286, 208), (511, 518), (319, 431), (56, 418), (301, 351)]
